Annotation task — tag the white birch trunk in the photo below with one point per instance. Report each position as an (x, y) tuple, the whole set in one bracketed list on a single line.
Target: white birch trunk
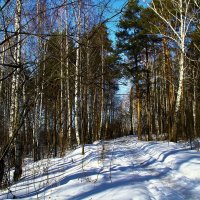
[(183, 18), (15, 77), (77, 73), (12, 106), (180, 83), (179, 29), (15, 99), (181, 59)]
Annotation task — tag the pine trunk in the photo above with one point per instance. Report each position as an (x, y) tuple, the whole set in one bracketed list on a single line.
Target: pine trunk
[(102, 92)]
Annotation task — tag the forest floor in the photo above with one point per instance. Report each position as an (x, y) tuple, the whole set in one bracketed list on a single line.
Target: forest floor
[(124, 169)]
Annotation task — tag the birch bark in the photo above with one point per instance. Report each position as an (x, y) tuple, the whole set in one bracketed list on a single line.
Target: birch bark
[(15, 96), (77, 73), (178, 32)]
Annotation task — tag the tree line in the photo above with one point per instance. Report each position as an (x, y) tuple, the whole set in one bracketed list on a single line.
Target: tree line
[(58, 80), (60, 72), (159, 46)]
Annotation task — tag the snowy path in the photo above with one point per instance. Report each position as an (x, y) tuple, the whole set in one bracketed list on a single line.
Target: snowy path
[(125, 169), (134, 161)]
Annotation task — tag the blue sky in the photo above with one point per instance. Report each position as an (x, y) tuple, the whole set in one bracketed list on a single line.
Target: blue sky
[(116, 6), (112, 28)]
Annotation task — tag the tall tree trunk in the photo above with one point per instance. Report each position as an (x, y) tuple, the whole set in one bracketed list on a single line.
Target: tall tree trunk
[(55, 135), (1, 83), (89, 120), (2, 58), (38, 98), (159, 110), (179, 94), (25, 120), (61, 100), (18, 145), (131, 111), (148, 96), (76, 107), (94, 117), (2, 109), (194, 104), (86, 95), (102, 92), (69, 113), (107, 120), (169, 87), (181, 71), (36, 150), (138, 111), (155, 111), (138, 100)]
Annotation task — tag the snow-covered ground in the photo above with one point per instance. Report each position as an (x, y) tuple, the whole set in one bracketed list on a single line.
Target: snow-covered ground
[(126, 169)]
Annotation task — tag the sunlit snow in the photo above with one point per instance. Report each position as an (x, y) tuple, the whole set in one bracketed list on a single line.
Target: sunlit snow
[(127, 169)]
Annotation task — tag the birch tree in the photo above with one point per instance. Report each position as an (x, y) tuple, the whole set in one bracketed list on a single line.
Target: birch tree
[(14, 113), (77, 46), (178, 20)]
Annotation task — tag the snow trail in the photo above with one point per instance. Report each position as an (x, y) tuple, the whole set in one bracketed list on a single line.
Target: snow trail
[(124, 169)]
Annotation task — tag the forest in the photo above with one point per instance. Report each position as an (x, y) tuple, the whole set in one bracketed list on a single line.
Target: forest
[(61, 73)]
